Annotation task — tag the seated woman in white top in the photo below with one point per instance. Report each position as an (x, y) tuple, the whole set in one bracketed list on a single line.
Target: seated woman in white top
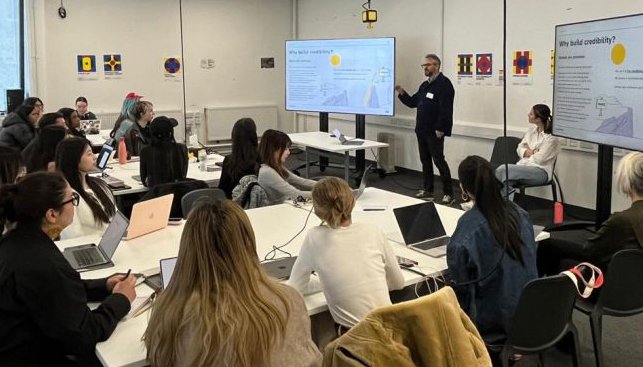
[(354, 261), (74, 158), (538, 151), (279, 183)]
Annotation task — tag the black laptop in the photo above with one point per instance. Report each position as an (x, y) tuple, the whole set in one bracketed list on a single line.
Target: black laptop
[(422, 229)]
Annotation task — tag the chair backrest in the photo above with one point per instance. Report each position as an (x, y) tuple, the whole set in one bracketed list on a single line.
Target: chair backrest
[(543, 313), (622, 292), (249, 194), (189, 199), (504, 151), (179, 189)]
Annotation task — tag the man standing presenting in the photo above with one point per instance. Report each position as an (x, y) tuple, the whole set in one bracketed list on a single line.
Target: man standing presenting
[(434, 103)]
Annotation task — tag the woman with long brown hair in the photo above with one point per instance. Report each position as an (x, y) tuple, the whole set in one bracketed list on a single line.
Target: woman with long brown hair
[(220, 308)]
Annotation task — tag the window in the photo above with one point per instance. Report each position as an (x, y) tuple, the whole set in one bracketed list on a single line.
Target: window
[(10, 48)]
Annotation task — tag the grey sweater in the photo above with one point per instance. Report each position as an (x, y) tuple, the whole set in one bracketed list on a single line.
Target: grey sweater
[(279, 189)]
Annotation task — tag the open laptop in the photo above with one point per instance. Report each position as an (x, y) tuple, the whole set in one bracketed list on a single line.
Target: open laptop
[(362, 185), (280, 268), (342, 139), (91, 127), (149, 216), (422, 229), (167, 269), (105, 154), (95, 257)]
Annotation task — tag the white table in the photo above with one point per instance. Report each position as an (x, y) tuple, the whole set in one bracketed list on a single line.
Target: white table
[(126, 172), (324, 141), (97, 140), (124, 347)]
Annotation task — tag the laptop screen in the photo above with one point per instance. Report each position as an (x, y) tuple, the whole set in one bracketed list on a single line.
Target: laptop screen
[(103, 156), (113, 234), (167, 268), (419, 222)]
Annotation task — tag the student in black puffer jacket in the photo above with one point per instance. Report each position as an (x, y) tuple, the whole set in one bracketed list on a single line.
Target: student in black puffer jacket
[(19, 127)]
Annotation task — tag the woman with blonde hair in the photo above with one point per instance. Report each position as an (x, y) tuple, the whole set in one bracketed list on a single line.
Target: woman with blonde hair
[(622, 230), (220, 308), (354, 261)]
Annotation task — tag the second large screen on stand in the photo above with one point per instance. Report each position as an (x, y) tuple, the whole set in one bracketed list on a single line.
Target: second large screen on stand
[(353, 76)]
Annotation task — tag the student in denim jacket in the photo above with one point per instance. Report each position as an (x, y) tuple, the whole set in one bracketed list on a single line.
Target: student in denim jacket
[(492, 253)]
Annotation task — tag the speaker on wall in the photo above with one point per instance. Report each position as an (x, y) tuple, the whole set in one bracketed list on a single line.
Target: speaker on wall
[(15, 97)]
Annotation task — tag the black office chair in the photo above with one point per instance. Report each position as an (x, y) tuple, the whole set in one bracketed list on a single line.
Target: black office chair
[(189, 199), (620, 296), (504, 151), (179, 189), (542, 319)]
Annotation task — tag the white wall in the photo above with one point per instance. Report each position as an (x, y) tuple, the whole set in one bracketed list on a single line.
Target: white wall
[(236, 34)]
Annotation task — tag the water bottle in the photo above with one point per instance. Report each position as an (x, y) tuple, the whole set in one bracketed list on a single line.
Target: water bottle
[(203, 157), (558, 212), (122, 151)]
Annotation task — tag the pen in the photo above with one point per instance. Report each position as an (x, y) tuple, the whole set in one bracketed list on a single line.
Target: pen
[(374, 209), (128, 273)]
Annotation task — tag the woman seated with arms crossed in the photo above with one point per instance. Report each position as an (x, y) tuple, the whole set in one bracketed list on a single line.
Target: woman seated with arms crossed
[(492, 253), (538, 151), (244, 159), (220, 308), (74, 159), (621, 231), (279, 183), (44, 315), (72, 120), (355, 263), (40, 154), (83, 110), (164, 160)]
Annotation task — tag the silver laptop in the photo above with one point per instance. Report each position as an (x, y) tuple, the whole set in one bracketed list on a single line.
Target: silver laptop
[(362, 185), (167, 269), (342, 139), (95, 257), (422, 229), (280, 268)]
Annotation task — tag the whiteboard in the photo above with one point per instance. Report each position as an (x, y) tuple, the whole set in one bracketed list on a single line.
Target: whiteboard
[(220, 120)]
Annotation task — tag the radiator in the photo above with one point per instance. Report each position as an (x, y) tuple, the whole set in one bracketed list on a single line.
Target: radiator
[(193, 118), (387, 155)]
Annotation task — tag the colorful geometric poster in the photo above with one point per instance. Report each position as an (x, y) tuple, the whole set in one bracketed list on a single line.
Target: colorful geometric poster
[(112, 66), (484, 65), (522, 70), (172, 68), (86, 67), (522, 61), (465, 65)]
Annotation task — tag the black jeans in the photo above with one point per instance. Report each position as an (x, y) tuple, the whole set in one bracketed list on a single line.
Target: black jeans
[(432, 151)]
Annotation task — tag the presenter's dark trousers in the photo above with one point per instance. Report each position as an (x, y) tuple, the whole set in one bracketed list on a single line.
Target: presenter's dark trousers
[(432, 151)]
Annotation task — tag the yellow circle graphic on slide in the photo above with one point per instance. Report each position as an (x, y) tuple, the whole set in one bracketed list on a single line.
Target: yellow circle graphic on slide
[(335, 60), (618, 54)]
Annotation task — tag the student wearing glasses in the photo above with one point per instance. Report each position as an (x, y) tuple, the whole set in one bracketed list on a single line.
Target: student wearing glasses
[(74, 159), (45, 318)]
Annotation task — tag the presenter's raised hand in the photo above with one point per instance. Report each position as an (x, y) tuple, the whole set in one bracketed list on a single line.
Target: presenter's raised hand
[(399, 89)]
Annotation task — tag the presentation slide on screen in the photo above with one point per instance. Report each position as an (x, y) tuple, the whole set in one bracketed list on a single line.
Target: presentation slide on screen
[(598, 82), (353, 76)]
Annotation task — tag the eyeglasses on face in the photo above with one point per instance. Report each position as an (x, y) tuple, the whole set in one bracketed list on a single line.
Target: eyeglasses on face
[(75, 199)]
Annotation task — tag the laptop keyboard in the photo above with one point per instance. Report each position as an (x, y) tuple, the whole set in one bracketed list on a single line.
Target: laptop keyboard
[(432, 243), (87, 257)]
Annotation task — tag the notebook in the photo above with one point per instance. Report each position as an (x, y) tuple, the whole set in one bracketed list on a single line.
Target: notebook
[(422, 229), (90, 256), (280, 268), (342, 139), (149, 216)]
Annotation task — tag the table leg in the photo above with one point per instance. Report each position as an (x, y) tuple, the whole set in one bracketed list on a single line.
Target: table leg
[(307, 165), (347, 162)]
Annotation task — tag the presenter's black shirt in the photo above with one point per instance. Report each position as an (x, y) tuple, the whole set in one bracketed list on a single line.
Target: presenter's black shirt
[(43, 303), (434, 103)]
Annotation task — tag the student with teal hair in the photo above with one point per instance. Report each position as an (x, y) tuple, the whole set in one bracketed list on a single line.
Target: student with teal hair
[(132, 124)]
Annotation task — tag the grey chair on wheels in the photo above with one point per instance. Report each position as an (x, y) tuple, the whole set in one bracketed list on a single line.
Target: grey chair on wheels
[(543, 319), (620, 296), (189, 199)]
